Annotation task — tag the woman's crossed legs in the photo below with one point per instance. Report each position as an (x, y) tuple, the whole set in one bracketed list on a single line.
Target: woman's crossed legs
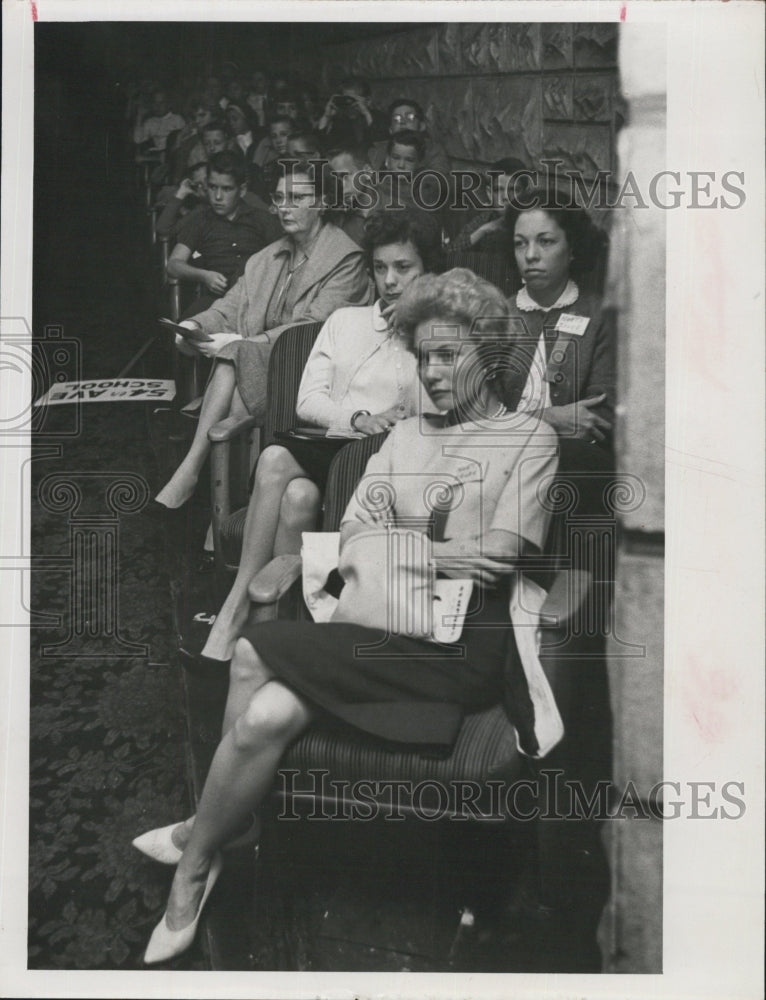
[(262, 718)]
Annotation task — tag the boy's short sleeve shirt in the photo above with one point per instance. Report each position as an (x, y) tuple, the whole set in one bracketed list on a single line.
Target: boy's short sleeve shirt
[(224, 245)]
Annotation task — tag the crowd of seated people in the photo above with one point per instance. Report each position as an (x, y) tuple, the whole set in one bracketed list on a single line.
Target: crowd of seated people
[(269, 121), (424, 357)]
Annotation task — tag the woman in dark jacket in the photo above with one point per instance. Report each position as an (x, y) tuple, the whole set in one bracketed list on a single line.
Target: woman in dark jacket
[(563, 367)]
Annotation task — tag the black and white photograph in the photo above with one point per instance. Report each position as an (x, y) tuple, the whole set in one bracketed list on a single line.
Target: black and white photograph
[(382, 526)]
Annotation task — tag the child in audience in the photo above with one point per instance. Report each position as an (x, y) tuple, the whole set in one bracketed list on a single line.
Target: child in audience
[(152, 129), (178, 202), (275, 145), (404, 153), (258, 97), (349, 116), (215, 137), (214, 242), (347, 162), (487, 232), (279, 134), (303, 144), (240, 126), (406, 115), (189, 146)]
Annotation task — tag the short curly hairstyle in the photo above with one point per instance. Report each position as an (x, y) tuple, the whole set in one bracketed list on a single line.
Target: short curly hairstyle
[(460, 297), (587, 243), (410, 224)]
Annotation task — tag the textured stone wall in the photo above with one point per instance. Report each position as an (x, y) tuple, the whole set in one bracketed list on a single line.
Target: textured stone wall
[(498, 89), (632, 928)]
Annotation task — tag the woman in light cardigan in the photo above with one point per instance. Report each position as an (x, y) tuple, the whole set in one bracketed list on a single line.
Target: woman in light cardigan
[(359, 379)]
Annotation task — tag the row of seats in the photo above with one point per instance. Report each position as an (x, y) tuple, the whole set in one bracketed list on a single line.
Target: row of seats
[(577, 568)]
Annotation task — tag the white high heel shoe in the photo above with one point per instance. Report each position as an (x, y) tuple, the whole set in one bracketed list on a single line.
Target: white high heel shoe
[(165, 944), (158, 844)]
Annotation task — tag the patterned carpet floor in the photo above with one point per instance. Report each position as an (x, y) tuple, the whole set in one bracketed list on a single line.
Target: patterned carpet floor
[(108, 735), (108, 745)]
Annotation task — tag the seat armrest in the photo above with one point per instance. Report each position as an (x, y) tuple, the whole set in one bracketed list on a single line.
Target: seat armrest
[(569, 590), (231, 427), (275, 579)]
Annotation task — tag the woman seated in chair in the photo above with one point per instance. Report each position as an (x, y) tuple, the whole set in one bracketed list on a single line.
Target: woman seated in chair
[(359, 379), (481, 478), (563, 367), (303, 277)]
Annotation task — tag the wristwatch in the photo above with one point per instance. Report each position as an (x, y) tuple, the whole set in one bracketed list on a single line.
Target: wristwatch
[(355, 417)]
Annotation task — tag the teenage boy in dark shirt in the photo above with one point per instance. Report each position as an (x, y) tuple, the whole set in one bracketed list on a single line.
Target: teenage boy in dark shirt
[(215, 241)]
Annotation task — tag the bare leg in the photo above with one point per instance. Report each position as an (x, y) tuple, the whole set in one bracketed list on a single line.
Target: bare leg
[(299, 511), (221, 398), (276, 468), (240, 777), (248, 673)]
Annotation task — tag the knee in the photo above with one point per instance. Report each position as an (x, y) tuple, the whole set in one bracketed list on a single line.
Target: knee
[(300, 501), (245, 663), (274, 464), (273, 718)]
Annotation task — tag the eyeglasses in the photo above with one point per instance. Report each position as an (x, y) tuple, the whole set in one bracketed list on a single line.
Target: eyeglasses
[(409, 116), (292, 200)]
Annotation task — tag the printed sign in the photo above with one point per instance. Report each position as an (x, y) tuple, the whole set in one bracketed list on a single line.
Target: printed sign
[(109, 390)]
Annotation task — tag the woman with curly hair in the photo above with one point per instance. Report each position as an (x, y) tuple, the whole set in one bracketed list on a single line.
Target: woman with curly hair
[(563, 367), (464, 489)]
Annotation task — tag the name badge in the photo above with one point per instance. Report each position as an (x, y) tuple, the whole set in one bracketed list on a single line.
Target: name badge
[(572, 324)]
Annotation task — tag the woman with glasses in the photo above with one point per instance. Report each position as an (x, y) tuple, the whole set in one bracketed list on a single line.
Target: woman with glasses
[(482, 476), (303, 277)]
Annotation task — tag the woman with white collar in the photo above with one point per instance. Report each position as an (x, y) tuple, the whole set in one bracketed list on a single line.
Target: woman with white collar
[(563, 366)]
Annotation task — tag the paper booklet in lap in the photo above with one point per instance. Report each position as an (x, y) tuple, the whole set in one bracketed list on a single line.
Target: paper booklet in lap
[(419, 605)]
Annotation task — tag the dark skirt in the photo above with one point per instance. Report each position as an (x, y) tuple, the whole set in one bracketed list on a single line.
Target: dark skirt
[(315, 456), (394, 688)]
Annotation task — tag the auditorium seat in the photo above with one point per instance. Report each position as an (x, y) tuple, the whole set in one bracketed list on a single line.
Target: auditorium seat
[(494, 267), (577, 571), (229, 475)]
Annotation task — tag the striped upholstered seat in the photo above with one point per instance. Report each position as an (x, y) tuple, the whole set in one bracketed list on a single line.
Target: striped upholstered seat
[(494, 267), (486, 745), (286, 364)]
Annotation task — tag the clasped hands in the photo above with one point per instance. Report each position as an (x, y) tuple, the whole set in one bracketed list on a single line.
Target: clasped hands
[(453, 559), (578, 420)]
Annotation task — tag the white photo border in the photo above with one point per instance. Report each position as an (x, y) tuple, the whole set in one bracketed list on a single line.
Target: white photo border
[(713, 871)]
